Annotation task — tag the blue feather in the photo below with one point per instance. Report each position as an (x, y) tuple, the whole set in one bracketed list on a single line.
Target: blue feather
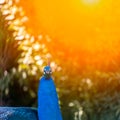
[(18, 113), (48, 106)]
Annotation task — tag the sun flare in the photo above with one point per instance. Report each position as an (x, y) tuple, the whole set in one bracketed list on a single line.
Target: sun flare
[(90, 2)]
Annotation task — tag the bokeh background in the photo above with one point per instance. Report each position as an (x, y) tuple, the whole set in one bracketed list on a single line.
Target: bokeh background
[(81, 40)]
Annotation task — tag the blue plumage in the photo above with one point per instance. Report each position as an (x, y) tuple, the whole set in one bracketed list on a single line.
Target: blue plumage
[(48, 106), (18, 113)]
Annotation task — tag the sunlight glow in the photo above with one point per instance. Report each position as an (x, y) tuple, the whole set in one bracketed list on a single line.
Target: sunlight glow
[(90, 2), (37, 57), (36, 46), (2, 1), (40, 62), (10, 17), (88, 27)]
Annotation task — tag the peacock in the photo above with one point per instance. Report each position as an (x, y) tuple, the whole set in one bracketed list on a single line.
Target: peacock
[(48, 105), (18, 113)]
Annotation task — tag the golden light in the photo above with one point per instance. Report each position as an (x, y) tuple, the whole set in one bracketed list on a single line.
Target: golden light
[(83, 25), (2, 1), (40, 62), (90, 2), (36, 46), (37, 57)]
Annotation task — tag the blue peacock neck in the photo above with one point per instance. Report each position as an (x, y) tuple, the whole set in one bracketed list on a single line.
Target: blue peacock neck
[(48, 105)]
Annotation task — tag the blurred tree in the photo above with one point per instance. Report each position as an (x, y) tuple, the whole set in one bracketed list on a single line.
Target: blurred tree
[(21, 57), (9, 46)]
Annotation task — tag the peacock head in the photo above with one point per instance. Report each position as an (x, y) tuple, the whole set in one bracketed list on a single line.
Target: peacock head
[(47, 72)]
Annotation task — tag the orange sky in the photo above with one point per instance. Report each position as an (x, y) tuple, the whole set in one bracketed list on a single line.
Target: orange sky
[(91, 27), (77, 23), (74, 22)]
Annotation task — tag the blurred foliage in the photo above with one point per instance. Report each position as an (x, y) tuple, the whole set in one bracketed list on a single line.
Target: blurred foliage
[(93, 96), (85, 93), (21, 57)]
